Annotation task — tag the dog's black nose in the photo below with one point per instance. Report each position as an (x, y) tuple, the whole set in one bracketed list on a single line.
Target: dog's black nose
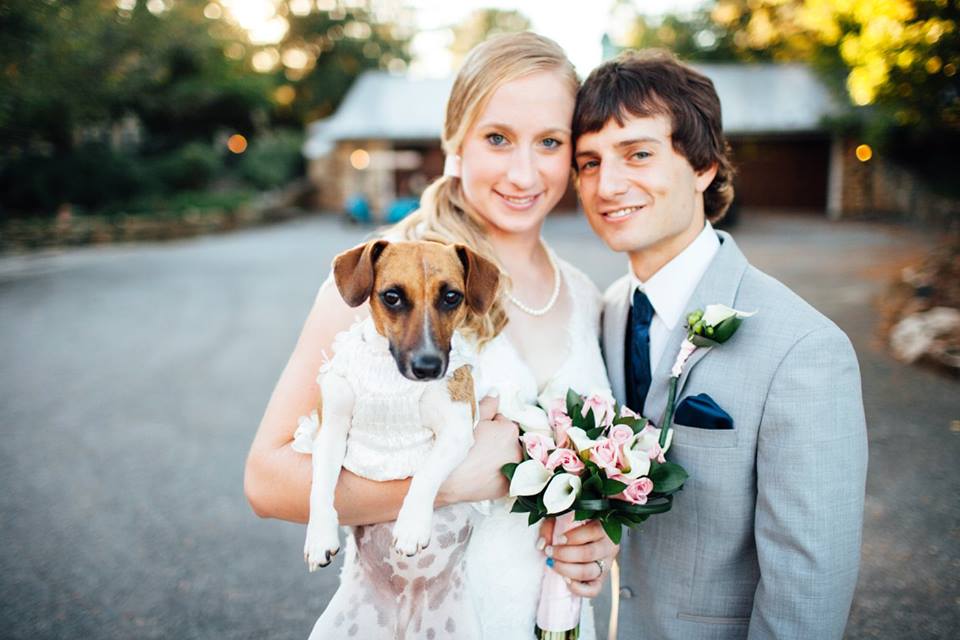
[(427, 366)]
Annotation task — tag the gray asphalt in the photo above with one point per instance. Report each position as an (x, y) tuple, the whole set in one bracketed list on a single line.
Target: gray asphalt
[(133, 379)]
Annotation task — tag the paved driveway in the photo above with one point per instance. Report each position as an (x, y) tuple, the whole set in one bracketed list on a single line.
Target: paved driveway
[(133, 379)]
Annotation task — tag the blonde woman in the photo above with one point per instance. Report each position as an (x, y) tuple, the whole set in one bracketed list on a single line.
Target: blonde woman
[(508, 142)]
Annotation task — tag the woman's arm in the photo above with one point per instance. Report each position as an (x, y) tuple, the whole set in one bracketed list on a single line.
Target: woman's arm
[(277, 478)]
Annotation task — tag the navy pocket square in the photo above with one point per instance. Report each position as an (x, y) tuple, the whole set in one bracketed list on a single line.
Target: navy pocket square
[(702, 412)]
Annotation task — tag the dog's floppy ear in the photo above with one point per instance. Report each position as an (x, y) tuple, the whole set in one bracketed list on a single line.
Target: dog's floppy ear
[(353, 271), (483, 278)]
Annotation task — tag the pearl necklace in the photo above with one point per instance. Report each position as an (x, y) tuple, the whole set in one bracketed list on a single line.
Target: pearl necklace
[(553, 296)]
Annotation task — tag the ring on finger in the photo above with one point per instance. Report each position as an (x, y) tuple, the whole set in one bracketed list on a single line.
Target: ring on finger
[(600, 566)]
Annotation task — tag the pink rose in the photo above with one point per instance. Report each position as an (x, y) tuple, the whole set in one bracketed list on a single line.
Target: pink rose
[(602, 406), (538, 446), (605, 453), (621, 434), (637, 491), (566, 458), (627, 412), (561, 424)]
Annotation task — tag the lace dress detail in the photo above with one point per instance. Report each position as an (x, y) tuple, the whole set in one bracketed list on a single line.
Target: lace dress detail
[(504, 569)]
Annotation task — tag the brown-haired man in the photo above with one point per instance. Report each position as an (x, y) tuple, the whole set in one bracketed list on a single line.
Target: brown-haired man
[(764, 540)]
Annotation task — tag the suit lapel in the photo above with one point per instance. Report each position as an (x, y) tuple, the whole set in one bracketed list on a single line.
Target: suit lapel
[(718, 285), (615, 310)]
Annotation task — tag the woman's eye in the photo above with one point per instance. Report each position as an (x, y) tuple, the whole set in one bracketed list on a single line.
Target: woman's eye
[(589, 164), (391, 298), (452, 298), (496, 139), (641, 155), (551, 143)]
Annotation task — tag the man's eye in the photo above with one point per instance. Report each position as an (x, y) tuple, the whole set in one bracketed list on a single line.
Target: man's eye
[(496, 139), (392, 298), (452, 298), (589, 164), (642, 155)]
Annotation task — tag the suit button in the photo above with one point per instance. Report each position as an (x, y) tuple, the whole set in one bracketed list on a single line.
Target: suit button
[(626, 593)]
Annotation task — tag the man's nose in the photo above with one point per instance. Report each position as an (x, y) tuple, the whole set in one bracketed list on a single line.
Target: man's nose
[(523, 170), (611, 182)]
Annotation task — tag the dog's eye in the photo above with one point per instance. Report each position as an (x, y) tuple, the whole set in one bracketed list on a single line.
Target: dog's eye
[(452, 298), (392, 298)]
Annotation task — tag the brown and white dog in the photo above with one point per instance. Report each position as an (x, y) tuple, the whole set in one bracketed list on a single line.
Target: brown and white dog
[(419, 294)]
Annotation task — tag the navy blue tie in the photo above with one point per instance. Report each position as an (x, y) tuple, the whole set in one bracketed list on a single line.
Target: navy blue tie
[(637, 350)]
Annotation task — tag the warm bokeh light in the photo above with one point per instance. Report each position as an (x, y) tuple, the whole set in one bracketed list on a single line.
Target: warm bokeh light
[(295, 58), (284, 95), (237, 143), (864, 152), (265, 60), (156, 7), (360, 159), (259, 19), (212, 11)]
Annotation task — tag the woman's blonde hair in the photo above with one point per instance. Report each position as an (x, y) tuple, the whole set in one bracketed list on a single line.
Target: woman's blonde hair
[(444, 214)]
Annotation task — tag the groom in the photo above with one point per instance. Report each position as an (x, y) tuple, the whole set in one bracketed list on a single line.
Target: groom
[(764, 540)]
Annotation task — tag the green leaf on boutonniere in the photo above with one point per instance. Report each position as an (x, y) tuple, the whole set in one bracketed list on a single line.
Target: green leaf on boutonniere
[(668, 477), (613, 487), (725, 330), (613, 529)]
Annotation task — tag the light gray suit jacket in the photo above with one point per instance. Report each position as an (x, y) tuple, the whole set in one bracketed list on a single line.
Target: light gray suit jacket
[(764, 540)]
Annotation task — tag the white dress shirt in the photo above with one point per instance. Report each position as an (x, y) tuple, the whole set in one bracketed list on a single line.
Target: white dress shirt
[(670, 288)]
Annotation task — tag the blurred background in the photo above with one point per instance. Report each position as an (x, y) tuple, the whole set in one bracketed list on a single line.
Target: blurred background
[(141, 345)]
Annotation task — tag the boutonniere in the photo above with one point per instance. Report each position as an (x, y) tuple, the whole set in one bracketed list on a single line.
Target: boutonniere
[(706, 328)]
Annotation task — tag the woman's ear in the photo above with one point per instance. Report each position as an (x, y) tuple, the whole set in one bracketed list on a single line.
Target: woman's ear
[(353, 271), (482, 279)]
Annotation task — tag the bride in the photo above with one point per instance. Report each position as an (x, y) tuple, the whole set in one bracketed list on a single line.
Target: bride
[(508, 140)]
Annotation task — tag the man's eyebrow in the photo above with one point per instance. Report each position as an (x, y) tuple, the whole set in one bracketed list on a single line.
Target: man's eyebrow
[(509, 129), (629, 143), (623, 144)]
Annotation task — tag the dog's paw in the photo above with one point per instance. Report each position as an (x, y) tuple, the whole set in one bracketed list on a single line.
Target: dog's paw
[(323, 543), (411, 532)]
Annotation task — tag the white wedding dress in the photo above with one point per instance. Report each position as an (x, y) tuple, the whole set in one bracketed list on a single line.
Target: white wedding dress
[(504, 568)]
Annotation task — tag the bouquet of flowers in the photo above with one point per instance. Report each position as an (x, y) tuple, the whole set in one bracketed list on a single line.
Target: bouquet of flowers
[(594, 460), (599, 460)]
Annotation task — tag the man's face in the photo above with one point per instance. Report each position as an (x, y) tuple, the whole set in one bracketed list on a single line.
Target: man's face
[(640, 195)]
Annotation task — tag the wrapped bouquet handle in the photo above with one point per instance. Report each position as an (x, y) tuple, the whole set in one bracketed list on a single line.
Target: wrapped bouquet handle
[(558, 614)]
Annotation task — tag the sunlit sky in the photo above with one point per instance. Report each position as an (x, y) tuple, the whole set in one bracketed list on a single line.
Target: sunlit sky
[(577, 30)]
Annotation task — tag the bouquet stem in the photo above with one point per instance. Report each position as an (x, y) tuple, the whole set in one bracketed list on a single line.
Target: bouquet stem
[(558, 614)]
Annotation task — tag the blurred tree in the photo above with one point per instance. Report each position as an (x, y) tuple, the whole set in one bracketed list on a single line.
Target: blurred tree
[(480, 25), (895, 61), (325, 50)]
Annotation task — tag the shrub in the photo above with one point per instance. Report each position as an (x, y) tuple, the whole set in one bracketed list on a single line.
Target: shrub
[(272, 161)]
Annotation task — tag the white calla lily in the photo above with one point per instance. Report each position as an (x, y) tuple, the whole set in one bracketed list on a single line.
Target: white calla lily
[(714, 314), (529, 478), (531, 418), (639, 463), (579, 439), (666, 445), (562, 491)]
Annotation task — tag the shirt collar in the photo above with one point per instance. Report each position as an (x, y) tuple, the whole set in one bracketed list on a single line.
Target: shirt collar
[(670, 288)]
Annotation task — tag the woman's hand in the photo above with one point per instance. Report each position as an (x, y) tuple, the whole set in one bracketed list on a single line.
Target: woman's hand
[(478, 477), (580, 557)]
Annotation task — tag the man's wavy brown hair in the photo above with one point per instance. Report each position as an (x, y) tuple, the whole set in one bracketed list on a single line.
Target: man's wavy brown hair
[(651, 83)]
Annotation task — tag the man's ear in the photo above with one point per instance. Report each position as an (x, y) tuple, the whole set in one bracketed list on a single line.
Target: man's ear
[(353, 271), (482, 278), (705, 177)]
